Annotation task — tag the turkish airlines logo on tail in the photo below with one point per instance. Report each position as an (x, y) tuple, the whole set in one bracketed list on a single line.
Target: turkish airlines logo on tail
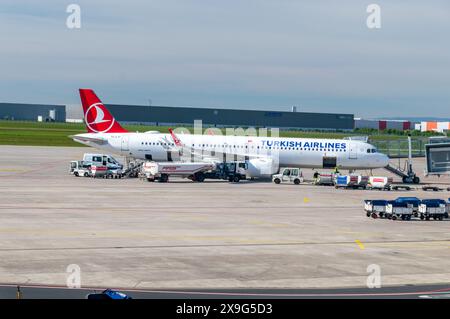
[(96, 119)]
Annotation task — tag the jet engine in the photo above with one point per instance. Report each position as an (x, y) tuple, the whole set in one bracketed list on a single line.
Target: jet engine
[(261, 167)]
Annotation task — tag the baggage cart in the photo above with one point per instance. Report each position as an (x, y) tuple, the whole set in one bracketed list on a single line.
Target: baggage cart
[(375, 208), (433, 208), (399, 210)]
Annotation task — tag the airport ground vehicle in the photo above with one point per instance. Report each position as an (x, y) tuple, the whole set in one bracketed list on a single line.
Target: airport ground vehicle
[(380, 182), (433, 208), (81, 168), (407, 207), (101, 160), (195, 171), (78, 168), (351, 181), (375, 208), (231, 171), (162, 170), (288, 175), (399, 209)]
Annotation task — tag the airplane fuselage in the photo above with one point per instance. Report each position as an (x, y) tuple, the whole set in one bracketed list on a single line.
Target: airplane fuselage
[(292, 152)]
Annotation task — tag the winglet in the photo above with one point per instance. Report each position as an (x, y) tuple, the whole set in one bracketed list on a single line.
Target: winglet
[(175, 138)]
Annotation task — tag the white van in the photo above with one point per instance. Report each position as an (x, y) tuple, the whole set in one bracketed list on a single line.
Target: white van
[(101, 160)]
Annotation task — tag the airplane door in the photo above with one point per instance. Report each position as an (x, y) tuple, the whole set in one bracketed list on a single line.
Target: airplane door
[(353, 151), (329, 161), (125, 143)]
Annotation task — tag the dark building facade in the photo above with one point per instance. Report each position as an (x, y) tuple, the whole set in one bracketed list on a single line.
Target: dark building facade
[(163, 115), (32, 112)]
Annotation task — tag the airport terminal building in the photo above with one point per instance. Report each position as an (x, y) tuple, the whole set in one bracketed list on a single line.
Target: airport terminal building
[(32, 112), (183, 116), (164, 115)]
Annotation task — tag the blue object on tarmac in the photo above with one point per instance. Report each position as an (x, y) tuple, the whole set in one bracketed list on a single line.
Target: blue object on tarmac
[(409, 200), (109, 294), (433, 202)]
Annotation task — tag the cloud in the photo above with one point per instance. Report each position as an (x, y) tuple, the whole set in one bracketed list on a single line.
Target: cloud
[(251, 54)]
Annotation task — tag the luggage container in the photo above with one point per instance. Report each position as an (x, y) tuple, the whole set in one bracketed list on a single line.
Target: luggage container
[(98, 171), (363, 181), (380, 182), (351, 181), (375, 207), (345, 181), (396, 210), (323, 179), (414, 201), (433, 208)]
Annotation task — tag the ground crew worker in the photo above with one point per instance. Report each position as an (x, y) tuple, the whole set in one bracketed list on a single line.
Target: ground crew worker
[(316, 175)]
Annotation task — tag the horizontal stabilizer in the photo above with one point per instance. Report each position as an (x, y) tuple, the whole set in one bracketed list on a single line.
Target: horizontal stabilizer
[(96, 140)]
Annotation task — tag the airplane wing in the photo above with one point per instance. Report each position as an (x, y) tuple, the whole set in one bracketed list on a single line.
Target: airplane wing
[(183, 149), (95, 140)]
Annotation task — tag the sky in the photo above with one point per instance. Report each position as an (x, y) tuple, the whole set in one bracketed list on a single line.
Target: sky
[(243, 54)]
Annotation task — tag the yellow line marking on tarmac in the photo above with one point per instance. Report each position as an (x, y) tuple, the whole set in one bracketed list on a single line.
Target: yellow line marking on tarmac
[(359, 244)]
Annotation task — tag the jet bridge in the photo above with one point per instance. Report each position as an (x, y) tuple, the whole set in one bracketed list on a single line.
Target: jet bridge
[(437, 154)]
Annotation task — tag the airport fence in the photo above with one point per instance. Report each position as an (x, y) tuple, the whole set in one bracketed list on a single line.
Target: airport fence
[(399, 148)]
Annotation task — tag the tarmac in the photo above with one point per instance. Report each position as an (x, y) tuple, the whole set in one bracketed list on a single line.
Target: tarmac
[(132, 234), (399, 292)]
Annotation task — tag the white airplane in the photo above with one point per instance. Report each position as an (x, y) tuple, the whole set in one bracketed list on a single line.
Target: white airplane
[(264, 155)]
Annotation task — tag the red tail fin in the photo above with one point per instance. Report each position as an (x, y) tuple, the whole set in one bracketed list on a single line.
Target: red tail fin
[(96, 116), (175, 138)]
